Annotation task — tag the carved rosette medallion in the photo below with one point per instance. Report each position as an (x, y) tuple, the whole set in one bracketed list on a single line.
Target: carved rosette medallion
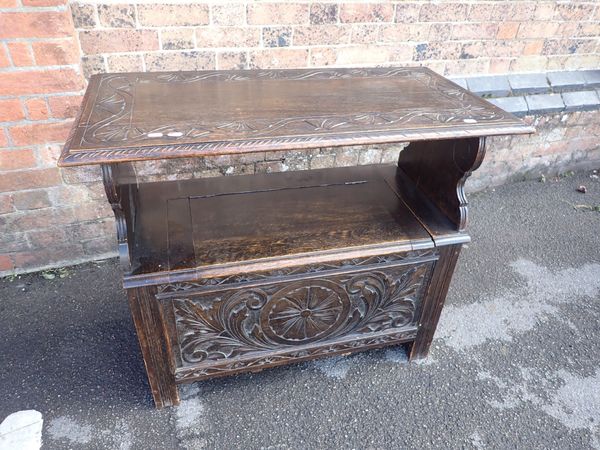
[(234, 323), (304, 313)]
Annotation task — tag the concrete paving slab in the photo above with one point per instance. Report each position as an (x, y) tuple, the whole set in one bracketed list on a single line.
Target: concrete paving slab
[(495, 85), (544, 103), (515, 105), (581, 100), (515, 362), (566, 80), (592, 78), (529, 83)]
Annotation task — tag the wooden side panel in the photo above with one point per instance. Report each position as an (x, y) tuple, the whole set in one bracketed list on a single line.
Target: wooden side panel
[(439, 170), (434, 300), (154, 343)]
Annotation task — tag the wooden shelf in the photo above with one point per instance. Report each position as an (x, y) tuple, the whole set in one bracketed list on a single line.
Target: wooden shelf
[(208, 224)]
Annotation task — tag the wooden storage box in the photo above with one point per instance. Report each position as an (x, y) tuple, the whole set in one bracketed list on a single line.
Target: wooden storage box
[(283, 267)]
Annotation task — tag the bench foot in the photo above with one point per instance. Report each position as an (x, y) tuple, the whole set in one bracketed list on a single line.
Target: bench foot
[(146, 314), (435, 298)]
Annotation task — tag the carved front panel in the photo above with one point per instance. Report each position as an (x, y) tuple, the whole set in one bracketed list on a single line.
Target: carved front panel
[(296, 318)]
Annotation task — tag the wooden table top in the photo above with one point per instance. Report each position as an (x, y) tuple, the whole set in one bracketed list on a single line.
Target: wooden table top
[(144, 116)]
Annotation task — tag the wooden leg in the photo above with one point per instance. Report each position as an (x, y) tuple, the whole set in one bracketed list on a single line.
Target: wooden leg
[(434, 301), (146, 314)]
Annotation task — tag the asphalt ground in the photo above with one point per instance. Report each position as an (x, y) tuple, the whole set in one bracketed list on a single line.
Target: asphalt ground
[(515, 362)]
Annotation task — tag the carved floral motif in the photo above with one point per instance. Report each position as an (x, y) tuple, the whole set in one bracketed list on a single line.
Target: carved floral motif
[(226, 367), (231, 324), (116, 103)]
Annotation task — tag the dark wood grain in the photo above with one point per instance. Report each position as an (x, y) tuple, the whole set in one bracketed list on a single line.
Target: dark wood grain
[(141, 116), (154, 344), (439, 170), (220, 221), (434, 301), (287, 319)]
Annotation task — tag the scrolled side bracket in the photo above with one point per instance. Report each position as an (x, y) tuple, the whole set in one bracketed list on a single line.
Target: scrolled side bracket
[(439, 169), (122, 207)]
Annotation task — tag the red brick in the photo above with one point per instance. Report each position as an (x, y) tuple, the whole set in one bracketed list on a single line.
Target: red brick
[(8, 3), (10, 110), (481, 12), (322, 56), (366, 12), (65, 106), (84, 174), (40, 82), (46, 256), (16, 159), (404, 32), (570, 11), (35, 24), (187, 60), (277, 13), (56, 53), (439, 32), (44, 2), (475, 31), (6, 204), (533, 47), (117, 40), (588, 29), (499, 65), (35, 220), (443, 12), (321, 13), (537, 29), (232, 60), (48, 155), (6, 263), (31, 179), (229, 14), (521, 10), (28, 200), (544, 11), (322, 35), (4, 61), (368, 54), (20, 53), (494, 49), (278, 58), (40, 133), (3, 139), (365, 33), (37, 109), (46, 238), (508, 30), (407, 12), (529, 64), (167, 15), (208, 37)]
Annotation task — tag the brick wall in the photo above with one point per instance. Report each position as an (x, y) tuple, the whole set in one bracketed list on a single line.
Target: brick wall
[(50, 217), (451, 37), (40, 90)]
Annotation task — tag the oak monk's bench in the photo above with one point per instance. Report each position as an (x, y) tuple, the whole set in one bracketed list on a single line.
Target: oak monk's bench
[(233, 274)]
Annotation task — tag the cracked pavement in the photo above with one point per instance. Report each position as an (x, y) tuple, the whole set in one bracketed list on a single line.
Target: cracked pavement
[(515, 362)]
